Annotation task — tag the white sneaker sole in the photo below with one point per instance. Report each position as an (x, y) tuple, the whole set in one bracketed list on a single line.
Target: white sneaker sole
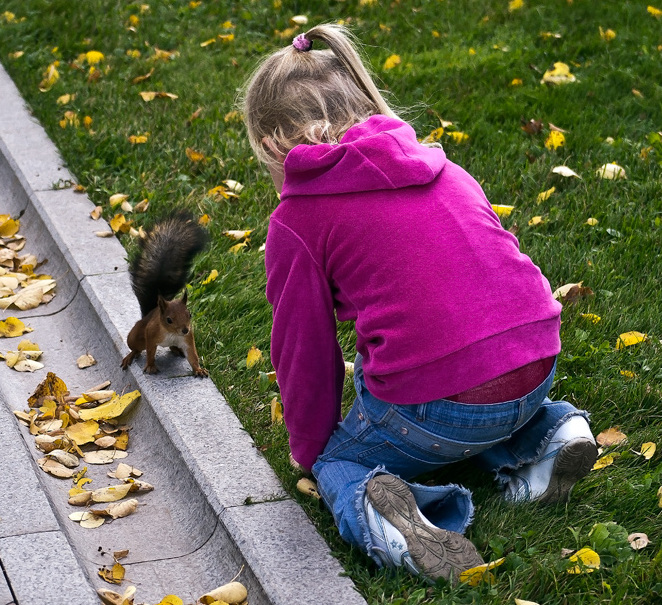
[(573, 462), (436, 552)]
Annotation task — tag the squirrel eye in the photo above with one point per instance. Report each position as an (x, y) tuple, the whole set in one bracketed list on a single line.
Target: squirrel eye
[(169, 320)]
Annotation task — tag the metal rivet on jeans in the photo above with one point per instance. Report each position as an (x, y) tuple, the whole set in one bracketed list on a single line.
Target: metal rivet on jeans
[(404, 430), (361, 416), (435, 446), (467, 452)]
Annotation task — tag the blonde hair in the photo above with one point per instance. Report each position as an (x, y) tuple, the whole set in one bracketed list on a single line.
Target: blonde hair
[(309, 96)]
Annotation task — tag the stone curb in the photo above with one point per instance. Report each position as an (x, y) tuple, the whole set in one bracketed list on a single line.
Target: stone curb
[(284, 556)]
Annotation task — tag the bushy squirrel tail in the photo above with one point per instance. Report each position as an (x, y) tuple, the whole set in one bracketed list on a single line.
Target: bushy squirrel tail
[(164, 259)]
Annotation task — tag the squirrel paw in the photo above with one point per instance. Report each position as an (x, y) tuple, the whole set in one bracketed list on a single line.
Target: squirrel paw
[(201, 372), (151, 369)]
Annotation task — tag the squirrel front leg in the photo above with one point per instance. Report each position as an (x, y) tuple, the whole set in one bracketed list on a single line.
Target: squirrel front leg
[(150, 365), (193, 359)]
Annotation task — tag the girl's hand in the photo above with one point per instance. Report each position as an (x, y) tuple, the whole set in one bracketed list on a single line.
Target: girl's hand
[(296, 466)]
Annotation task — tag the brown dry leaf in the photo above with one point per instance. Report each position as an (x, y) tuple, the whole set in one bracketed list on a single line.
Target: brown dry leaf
[(532, 126), (638, 541), (118, 509), (65, 458), (80, 497), (232, 594), (52, 467), (571, 293), (105, 442), (118, 555), (194, 116), (124, 471), (611, 436), (51, 386), (103, 456), (85, 361), (142, 78)]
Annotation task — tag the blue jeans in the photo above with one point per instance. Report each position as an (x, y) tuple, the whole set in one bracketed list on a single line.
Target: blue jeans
[(407, 440)]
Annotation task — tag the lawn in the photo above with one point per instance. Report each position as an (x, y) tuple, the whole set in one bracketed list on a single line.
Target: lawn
[(478, 65)]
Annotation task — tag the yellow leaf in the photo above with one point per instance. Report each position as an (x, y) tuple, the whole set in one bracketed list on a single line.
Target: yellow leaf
[(587, 561), (656, 12), (502, 210), (112, 493), (524, 602), (565, 171), (603, 462), (8, 226), (308, 487), (93, 57), (211, 277), (112, 409), (647, 450), (516, 82), (171, 599), (475, 575), (237, 234), (659, 497), (115, 575), (592, 317), (434, 136), (82, 432), (276, 411), (254, 356), (51, 76), (555, 140), (225, 37), (607, 35), (559, 74), (139, 139), (12, 327), (193, 155), (204, 220), (458, 137), (392, 62), (514, 5), (592, 222), (237, 247), (148, 96), (535, 221), (627, 339), (51, 386), (545, 195)]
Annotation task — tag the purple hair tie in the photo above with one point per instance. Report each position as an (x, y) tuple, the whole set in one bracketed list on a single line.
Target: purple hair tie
[(302, 43)]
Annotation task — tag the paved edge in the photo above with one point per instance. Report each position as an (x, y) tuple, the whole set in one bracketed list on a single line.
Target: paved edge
[(284, 551)]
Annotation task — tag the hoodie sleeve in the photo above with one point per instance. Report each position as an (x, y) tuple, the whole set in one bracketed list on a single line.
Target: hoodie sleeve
[(304, 349)]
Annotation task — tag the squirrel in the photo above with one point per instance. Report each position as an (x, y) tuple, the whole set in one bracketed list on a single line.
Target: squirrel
[(158, 273)]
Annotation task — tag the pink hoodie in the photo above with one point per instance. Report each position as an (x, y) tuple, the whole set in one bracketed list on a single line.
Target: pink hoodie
[(386, 232)]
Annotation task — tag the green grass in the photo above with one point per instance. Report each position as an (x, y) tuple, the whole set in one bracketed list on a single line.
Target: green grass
[(462, 73)]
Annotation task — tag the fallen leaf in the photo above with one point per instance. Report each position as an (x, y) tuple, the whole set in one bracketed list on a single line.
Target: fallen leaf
[(114, 575), (254, 356), (607, 34), (532, 126), (611, 436), (611, 171), (237, 234), (13, 327), (523, 602), (627, 339), (103, 456), (112, 409), (638, 541), (502, 209), (151, 95), (65, 458), (194, 156), (55, 468), (85, 361), (458, 137), (476, 575), (535, 221), (276, 411), (587, 561), (82, 432), (213, 274), (392, 62), (308, 487), (545, 195), (87, 519), (232, 593), (565, 171), (559, 74), (142, 78), (603, 462), (592, 317), (124, 471), (111, 493), (592, 222), (555, 140), (117, 510), (647, 450)]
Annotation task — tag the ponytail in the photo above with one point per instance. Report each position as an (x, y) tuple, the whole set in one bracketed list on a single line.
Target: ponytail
[(300, 95)]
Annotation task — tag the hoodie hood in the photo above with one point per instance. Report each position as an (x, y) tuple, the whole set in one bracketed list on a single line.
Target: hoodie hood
[(380, 153)]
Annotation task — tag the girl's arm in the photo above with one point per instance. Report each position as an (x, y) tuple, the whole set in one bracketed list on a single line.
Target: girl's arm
[(304, 349)]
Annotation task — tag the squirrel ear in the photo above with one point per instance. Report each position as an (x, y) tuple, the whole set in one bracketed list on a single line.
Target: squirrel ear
[(185, 297), (163, 303)]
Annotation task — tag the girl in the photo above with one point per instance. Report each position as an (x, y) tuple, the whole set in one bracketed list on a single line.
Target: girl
[(457, 330)]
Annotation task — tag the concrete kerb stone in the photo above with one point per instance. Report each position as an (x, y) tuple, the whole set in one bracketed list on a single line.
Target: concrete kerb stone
[(278, 542)]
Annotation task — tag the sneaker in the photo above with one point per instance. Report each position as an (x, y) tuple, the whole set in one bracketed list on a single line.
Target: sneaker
[(402, 536), (568, 457)]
